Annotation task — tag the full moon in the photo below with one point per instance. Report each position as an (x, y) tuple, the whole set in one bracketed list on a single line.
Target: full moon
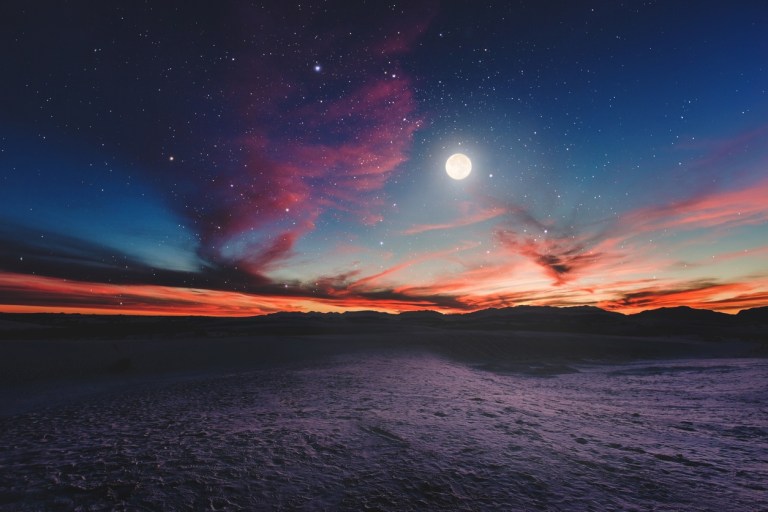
[(458, 166)]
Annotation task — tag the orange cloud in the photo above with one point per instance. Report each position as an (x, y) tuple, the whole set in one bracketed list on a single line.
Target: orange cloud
[(729, 297)]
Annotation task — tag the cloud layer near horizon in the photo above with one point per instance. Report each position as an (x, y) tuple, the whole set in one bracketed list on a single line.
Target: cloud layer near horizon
[(568, 267)]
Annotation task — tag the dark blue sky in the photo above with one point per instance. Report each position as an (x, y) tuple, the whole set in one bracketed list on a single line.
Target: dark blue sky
[(240, 158)]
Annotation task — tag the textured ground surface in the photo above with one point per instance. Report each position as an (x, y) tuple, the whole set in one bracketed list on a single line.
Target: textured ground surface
[(403, 431)]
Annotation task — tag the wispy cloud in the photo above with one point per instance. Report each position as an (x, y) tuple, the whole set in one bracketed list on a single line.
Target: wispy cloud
[(566, 253), (705, 294), (303, 152), (728, 208), (562, 258), (465, 220)]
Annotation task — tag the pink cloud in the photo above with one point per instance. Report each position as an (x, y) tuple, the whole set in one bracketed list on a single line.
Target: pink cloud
[(744, 253), (303, 157), (466, 220), (432, 255), (565, 257), (721, 152), (746, 206)]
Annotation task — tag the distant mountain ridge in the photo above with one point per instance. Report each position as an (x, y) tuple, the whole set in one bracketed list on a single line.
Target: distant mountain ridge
[(674, 321), (535, 340)]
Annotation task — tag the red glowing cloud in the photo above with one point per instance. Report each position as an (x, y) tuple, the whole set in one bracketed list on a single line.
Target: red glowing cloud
[(698, 294), (715, 209)]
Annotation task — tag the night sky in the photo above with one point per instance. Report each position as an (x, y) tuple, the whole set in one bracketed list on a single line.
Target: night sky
[(236, 158)]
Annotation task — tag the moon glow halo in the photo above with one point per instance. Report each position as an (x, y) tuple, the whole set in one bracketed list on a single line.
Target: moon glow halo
[(458, 166)]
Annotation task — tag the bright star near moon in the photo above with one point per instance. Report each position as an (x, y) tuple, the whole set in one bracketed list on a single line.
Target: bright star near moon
[(458, 166)]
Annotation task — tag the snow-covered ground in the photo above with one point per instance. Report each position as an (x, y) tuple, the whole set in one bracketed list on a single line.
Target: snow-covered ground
[(397, 430)]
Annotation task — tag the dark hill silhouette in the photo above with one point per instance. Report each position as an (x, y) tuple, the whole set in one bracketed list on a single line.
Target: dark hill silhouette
[(549, 339), (685, 320), (754, 315), (580, 319), (683, 314)]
